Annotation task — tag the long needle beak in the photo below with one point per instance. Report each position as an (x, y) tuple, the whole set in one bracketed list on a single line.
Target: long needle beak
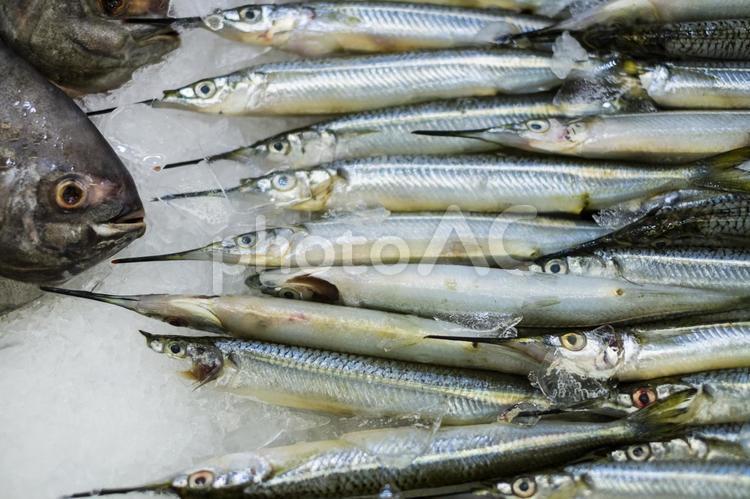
[(196, 194), (466, 134), (193, 254), (129, 302), (182, 163), (121, 490), (107, 111)]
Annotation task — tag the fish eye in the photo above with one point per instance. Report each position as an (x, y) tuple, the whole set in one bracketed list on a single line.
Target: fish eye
[(201, 479), (284, 182), (538, 125), (643, 397), (573, 341), (290, 294), (524, 487), (638, 452), (176, 348), (205, 89), (280, 147), (250, 14), (556, 267), (247, 240), (70, 194), (111, 7)]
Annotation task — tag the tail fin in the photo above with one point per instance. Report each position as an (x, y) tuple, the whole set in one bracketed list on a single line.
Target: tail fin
[(725, 172)]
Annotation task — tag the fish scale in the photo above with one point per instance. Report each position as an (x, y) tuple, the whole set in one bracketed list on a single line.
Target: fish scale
[(346, 84), (722, 269), (351, 383), (474, 183), (660, 479)]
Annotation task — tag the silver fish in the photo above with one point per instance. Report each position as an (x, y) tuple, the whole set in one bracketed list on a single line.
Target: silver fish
[(340, 383), (656, 11), (347, 84), (655, 479), (639, 353), (723, 396), (670, 136), (720, 269), (725, 39), (543, 300), (387, 131), (322, 28), (329, 327), (504, 240), (488, 184), (692, 85), (362, 463), (726, 442)]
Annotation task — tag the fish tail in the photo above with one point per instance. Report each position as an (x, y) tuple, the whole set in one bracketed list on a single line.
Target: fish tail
[(725, 172)]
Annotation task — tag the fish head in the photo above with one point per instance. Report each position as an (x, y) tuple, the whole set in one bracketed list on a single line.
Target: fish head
[(294, 189), (264, 248), (595, 354), (539, 486), (300, 286), (258, 24), (220, 477), (132, 8), (223, 475), (588, 265), (212, 95), (180, 311), (632, 397), (70, 210), (206, 359), (290, 150), (551, 135)]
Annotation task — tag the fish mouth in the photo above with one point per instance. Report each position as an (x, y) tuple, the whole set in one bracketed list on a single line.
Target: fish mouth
[(130, 225)]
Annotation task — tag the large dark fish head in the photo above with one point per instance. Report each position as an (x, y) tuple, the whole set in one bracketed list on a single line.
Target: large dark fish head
[(66, 200), (75, 46)]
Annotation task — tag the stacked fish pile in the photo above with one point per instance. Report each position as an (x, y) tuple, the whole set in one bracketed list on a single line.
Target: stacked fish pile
[(556, 271)]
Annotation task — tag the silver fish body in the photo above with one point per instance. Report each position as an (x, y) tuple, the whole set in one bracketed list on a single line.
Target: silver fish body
[(722, 396), (726, 442), (670, 136), (487, 184), (322, 28), (330, 327), (547, 8), (693, 85), (347, 384), (363, 463), (654, 479), (504, 240), (725, 39), (388, 131), (721, 269), (542, 300), (348, 84), (642, 353), (656, 11)]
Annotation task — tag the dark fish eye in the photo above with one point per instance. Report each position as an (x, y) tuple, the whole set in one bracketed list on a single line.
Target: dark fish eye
[(201, 479), (111, 7), (247, 240), (248, 14), (175, 348), (278, 146), (555, 267), (524, 487), (643, 397), (573, 341), (70, 194), (638, 452), (205, 89), (290, 294)]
